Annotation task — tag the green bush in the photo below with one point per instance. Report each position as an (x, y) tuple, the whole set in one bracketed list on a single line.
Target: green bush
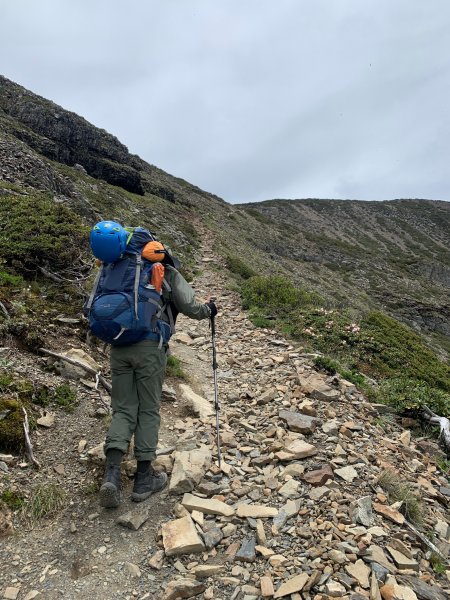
[(239, 267), (411, 395), (373, 345), (376, 345), (276, 296), (332, 367), (36, 231), (390, 348), (45, 500)]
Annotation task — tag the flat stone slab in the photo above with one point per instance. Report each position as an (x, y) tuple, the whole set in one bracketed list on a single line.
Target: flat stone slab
[(423, 590), (207, 506), (298, 422), (48, 420), (134, 518), (389, 513), (348, 473), (319, 493), (183, 588), (296, 450), (362, 511), (402, 561), (181, 537), (319, 477), (397, 592), (256, 511), (376, 554), (289, 489), (296, 584), (359, 571), (247, 552), (205, 571)]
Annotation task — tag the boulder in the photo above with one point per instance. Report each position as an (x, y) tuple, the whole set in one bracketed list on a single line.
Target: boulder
[(188, 469), (181, 537), (201, 406), (70, 371)]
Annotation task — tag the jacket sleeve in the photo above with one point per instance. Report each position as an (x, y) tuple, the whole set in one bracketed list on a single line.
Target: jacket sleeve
[(182, 295)]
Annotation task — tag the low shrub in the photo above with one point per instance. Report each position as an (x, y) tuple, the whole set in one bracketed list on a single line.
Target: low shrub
[(276, 295), (239, 267), (8, 280), (411, 395), (11, 425), (37, 231)]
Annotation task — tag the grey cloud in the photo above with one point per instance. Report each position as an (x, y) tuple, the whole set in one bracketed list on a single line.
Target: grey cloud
[(257, 99)]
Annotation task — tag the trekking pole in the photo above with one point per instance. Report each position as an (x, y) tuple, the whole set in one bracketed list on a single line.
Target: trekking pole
[(216, 393)]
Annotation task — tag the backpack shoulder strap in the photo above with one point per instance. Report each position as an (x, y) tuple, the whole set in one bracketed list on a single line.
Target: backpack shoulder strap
[(137, 277), (94, 289)]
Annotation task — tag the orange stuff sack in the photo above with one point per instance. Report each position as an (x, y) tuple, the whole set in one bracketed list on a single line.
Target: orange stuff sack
[(157, 277), (153, 251)]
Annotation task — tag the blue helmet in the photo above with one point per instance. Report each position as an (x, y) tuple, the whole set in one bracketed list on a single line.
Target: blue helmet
[(108, 241)]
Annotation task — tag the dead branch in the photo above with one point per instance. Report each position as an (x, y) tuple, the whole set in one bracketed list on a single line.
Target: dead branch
[(51, 276), (5, 312), (425, 541), (444, 424), (76, 363), (28, 444)]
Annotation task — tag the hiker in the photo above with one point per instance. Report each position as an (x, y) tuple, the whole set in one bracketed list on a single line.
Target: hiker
[(138, 371)]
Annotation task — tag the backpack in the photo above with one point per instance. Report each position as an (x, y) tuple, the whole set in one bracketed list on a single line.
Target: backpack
[(124, 307)]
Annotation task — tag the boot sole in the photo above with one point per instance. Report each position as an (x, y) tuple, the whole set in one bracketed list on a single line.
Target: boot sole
[(140, 497), (109, 496)]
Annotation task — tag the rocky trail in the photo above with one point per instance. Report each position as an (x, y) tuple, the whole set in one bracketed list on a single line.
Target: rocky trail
[(296, 511)]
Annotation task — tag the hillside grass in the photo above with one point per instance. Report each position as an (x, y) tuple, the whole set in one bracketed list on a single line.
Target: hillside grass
[(373, 345), (37, 231)]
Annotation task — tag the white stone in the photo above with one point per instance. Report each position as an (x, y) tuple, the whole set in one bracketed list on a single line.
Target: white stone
[(199, 405), (188, 469), (207, 506), (181, 537), (256, 511), (348, 473)]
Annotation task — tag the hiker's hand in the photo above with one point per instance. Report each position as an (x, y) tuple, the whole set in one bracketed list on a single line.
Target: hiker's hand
[(212, 307)]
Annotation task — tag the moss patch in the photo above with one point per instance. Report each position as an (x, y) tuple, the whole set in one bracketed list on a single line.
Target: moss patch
[(66, 397), (11, 425), (12, 499)]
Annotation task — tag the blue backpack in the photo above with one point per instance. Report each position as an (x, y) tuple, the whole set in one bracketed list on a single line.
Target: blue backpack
[(124, 307)]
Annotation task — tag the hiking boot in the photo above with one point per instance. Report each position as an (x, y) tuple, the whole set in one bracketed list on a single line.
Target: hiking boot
[(146, 484), (109, 495)]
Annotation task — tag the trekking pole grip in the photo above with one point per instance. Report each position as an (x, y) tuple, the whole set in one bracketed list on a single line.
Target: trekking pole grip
[(212, 319)]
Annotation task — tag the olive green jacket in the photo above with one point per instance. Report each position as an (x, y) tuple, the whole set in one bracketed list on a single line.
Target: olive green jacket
[(179, 297)]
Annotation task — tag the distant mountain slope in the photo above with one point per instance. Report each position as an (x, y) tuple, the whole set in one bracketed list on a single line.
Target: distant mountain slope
[(65, 137), (394, 254)]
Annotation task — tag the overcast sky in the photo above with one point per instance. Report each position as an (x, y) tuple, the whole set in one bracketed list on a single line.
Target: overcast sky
[(253, 99)]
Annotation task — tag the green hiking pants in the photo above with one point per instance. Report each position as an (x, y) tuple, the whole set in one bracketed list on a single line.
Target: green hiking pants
[(137, 378)]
